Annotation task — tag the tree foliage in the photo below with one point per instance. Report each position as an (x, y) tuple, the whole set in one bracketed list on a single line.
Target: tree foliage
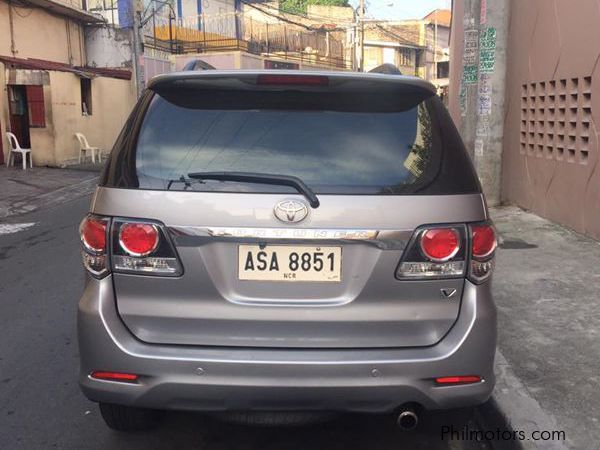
[(300, 6)]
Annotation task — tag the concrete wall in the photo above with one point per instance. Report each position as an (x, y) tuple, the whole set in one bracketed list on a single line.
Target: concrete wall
[(220, 60), (189, 8), (550, 143), (55, 38), (55, 144), (238, 60), (112, 100), (218, 7), (108, 47)]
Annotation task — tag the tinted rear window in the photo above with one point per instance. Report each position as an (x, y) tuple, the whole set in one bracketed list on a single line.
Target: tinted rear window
[(337, 143)]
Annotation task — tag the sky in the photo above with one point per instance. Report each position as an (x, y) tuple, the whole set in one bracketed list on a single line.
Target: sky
[(401, 9)]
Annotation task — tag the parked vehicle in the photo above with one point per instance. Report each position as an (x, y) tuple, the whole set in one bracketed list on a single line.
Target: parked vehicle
[(284, 241)]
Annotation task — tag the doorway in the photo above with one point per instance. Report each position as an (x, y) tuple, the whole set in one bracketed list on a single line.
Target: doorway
[(19, 114)]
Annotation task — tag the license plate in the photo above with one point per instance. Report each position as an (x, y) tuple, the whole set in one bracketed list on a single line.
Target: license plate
[(290, 263)]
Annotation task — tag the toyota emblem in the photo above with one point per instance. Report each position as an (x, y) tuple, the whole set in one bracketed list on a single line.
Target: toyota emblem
[(290, 211)]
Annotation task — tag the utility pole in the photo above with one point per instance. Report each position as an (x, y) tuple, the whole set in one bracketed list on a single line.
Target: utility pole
[(361, 40), (137, 49), (435, 44), (478, 87)]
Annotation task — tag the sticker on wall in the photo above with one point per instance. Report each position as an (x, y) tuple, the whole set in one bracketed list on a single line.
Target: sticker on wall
[(484, 91), (470, 74), (484, 105), (479, 147), (487, 39), (471, 47), (462, 99), (483, 14), (483, 127), (487, 50), (487, 61)]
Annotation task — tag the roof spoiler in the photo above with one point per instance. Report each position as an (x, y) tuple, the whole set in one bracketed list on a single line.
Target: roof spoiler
[(198, 64), (387, 69)]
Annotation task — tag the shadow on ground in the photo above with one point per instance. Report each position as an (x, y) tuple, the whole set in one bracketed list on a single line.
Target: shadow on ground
[(349, 432)]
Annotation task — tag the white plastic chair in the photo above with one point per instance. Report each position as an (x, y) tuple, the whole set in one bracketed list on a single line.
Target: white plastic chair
[(16, 148), (84, 148)]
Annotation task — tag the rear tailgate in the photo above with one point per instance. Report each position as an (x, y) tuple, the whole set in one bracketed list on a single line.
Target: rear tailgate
[(383, 158)]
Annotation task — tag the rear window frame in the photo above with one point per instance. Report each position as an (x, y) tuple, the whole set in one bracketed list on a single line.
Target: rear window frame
[(121, 172)]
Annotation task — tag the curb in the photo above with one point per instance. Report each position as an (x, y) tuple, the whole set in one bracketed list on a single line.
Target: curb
[(513, 408)]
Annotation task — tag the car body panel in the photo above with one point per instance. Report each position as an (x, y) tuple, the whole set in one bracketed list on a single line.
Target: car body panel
[(209, 305), (237, 378)]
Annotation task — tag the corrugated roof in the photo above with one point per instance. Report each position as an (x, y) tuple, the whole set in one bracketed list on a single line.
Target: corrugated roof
[(443, 16), (42, 64)]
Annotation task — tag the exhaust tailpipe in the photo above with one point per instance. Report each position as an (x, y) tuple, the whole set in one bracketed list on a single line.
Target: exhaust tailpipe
[(407, 419)]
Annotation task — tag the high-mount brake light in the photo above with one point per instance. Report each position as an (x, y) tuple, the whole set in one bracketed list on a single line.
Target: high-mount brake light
[(93, 233), (440, 244), (293, 80), (138, 239)]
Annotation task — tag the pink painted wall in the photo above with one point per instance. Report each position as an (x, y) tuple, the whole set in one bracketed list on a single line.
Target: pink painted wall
[(550, 154), (552, 116)]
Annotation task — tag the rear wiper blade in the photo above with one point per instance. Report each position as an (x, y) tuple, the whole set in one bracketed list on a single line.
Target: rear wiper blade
[(187, 182), (262, 178)]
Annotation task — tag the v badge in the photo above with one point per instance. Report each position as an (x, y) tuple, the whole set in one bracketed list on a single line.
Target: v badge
[(448, 292)]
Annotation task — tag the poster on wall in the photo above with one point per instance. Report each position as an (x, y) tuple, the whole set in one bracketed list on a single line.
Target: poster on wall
[(483, 14), (487, 50), (471, 47)]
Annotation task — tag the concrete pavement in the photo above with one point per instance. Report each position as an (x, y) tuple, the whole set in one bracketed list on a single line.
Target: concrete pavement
[(546, 287), (23, 191)]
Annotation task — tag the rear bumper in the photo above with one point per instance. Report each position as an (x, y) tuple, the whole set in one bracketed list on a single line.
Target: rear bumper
[(218, 379)]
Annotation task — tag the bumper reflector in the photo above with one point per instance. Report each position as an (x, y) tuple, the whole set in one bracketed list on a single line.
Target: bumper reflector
[(114, 376), (462, 379)]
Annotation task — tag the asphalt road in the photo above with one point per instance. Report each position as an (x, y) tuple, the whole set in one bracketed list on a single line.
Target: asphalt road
[(40, 403)]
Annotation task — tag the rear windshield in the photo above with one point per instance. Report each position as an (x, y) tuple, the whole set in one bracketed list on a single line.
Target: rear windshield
[(337, 143)]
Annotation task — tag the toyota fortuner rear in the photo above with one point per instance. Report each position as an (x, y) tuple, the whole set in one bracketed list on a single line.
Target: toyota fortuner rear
[(286, 241)]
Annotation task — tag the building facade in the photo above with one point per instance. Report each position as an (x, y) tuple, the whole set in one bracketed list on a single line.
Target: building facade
[(549, 146), (53, 84), (417, 47)]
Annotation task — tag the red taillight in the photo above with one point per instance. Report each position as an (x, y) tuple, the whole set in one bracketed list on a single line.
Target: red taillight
[(138, 239), (440, 244), (114, 376), (93, 234), (484, 241), (290, 80), (461, 379)]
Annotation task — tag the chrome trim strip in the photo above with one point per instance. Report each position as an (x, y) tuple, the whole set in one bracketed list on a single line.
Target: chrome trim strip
[(276, 233)]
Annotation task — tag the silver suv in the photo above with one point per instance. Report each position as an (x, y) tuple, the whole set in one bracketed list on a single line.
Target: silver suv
[(276, 241)]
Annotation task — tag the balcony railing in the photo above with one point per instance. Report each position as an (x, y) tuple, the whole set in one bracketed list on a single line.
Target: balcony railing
[(237, 31)]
